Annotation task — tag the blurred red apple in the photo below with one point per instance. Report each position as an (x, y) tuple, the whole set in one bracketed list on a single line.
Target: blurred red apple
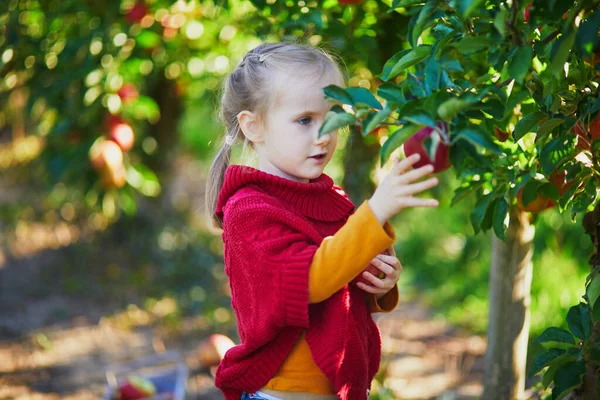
[(113, 177), (527, 12), (106, 153), (111, 120), (135, 388), (122, 134), (538, 204), (137, 12), (211, 350), (128, 92), (414, 145)]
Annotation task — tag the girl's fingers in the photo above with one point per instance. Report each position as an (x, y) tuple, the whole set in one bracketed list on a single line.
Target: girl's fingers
[(391, 261), (419, 202), (381, 265), (375, 281), (417, 174), (419, 187), (406, 164), (367, 288)]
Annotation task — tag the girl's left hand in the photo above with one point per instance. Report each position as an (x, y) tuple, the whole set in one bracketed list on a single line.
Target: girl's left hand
[(390, 266)]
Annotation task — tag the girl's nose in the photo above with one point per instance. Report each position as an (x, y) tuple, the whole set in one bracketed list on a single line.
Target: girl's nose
[(323, 140)]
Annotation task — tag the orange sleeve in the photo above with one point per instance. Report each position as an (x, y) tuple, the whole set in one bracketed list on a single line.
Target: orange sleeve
[(341, 257), (386, 304)]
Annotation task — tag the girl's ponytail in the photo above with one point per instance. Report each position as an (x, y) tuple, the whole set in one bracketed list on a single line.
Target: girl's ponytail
[(216, 174)]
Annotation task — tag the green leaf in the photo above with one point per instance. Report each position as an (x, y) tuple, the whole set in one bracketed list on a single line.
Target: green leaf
[(579, 321), (587, 34), (378, 118), (339, 94), (396, 139), (451, 107), (562, 55), (554, 336), (145, 107), (479, 211), (543, 359), (467, 7), (500, 21), (335, 121), (148, 39), (364, 96), (389, 64), (555, 365), (500, 223), (441, 44), (420, 118), (463, 192), (527, 123), (555, 152), (530, 191), (413, 57), (520, 63), (391, 92), (479, 138), (568, 377), (548, 126), (593, 291), (424, 19), (143, 179), (472, 44)]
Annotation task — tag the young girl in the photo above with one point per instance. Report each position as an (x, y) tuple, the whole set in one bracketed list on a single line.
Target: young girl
[(294, 243)]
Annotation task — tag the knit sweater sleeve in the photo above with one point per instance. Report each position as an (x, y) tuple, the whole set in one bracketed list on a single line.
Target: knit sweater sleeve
[(267, 260)]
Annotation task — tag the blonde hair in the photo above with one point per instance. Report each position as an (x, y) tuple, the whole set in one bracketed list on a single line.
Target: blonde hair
[(249, 87)]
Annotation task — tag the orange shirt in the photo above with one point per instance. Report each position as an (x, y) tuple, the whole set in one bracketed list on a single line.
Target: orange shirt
[(353, 247)]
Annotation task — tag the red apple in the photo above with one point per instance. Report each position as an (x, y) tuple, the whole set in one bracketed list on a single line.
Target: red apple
[(527, 12), (128, 92), (539, 204), (137, 12), (414, 145), (587, 131), (122, 134), (136, 388), (558, 180), (111, 120), (106, 153), (211, 350), (371, 268)]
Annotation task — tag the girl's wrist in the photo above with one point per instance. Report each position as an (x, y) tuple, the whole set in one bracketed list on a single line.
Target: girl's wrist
[(381, 216)]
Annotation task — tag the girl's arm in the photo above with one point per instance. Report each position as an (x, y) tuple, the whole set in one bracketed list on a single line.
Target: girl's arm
[(342, 257)]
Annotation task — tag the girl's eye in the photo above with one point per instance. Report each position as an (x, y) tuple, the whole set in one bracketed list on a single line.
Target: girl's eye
[(304, 120)]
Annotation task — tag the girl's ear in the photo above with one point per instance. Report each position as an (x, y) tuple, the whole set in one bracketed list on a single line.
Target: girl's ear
[(250, 126)]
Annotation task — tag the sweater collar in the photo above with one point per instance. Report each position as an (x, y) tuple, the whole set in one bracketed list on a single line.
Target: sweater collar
[(318, 199)]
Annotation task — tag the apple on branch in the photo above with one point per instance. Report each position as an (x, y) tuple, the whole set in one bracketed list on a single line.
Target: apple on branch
[(136, 387), (415, 145)]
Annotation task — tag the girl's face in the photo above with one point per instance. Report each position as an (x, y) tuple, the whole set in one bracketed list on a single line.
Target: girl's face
[(291, 131)]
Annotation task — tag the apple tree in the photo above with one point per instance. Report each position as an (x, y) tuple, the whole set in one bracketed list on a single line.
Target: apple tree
[(507, 93)]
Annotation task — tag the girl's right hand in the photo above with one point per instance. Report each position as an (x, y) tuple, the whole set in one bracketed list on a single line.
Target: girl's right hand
[(398, 187)]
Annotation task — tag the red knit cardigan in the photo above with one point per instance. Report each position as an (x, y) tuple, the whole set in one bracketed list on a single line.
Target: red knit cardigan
[(272, 227)]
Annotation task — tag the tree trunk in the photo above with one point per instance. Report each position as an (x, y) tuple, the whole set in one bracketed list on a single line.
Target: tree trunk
[(508, 331)]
